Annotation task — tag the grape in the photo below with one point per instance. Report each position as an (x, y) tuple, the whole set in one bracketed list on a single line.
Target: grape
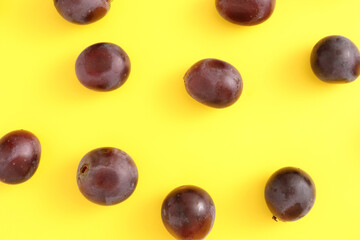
[(335, 59), (188, 213), (103, 67), (19, 156), (214, 83), (82, 11), (290, 194), (107, 176), (245, 12)]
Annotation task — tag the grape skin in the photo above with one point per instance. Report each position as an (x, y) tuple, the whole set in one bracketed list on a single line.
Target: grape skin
[(82, 11), (20, 153), (335, 59), (290, 194), (188, 213), (214, 83), (107, 176), (245, 12), (103, 67)]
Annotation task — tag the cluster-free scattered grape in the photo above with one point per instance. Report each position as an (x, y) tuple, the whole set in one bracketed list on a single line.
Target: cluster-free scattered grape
[(108, 175)]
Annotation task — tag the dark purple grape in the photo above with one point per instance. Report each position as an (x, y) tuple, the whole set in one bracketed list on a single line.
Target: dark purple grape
[(107, 176), (290, 194), (245, 12), (19, 156), (214, 83), (82, 11), (335, 59), (103, 67), (188, 213)]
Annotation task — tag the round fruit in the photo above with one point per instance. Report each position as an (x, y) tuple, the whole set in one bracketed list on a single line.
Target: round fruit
[(103, 67), (335, 59), (214, 83), (107, 176), (19, 156), (82, 11), (245, 12), (290, 194), (188, 213)]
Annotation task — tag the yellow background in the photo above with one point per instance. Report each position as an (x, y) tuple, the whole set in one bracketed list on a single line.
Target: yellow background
[(285, 117)]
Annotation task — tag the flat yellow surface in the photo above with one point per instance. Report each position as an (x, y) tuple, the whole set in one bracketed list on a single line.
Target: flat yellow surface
[(285, 117)]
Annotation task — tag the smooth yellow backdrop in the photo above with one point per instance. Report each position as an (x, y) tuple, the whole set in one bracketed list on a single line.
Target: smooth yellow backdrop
[(285, 117)]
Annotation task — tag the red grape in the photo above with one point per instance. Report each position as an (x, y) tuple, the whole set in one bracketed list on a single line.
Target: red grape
[(107, 176), (19, 156), (103, 67), (188, 213), (214, 83), (82, 11), (245, 12), (335, 59), (290, 194)]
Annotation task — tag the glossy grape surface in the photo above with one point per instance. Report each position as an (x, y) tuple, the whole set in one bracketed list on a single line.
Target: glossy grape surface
[(245, 12), (335, 59), (19, 156), (107, 176), (290, 194), (82, 11), (103, 67), (188, 213), (214, 83)]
